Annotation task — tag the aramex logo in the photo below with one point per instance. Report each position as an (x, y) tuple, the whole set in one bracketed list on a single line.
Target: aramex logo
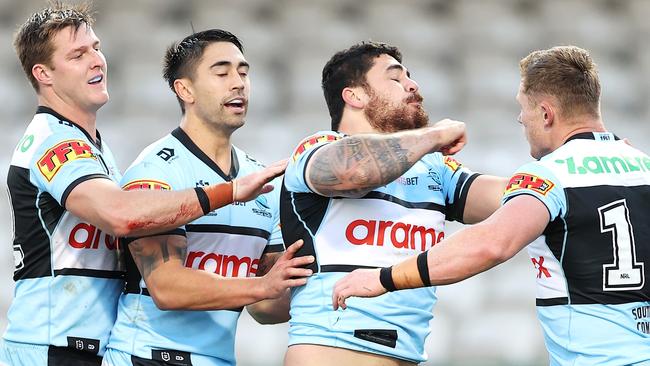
[(222, 264), (87, 236), (399, 234)]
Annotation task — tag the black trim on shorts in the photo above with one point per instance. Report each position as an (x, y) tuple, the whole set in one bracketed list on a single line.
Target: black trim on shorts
[(96, 273), (66, 356), (342, 267), (145, 292), (552, 301), (76, 182)]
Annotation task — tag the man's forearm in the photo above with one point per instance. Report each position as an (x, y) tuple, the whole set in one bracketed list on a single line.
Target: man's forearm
[(356, 165)]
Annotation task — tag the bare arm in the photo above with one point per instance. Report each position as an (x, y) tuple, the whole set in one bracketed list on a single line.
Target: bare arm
[(355, 165), (135, 213), (160, 260), (483, 198), (270, 311), (462, 255)]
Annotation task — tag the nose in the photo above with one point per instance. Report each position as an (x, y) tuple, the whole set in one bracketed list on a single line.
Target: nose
[(238, 82), (411, 86), (98, 60)]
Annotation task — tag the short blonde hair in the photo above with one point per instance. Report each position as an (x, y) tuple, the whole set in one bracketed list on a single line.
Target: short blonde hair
[(33, 40), (567, 73)]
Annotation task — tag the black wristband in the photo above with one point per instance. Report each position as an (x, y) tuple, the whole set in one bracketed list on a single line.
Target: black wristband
[(204, 201), (423, 268), (386, 278)]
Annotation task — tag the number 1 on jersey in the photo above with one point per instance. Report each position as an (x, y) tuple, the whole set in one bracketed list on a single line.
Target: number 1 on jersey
[(625, 273)]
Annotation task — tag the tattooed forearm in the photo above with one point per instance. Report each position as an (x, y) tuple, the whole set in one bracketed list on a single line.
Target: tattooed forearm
[(266, 262), (356, 165), (150, 252)]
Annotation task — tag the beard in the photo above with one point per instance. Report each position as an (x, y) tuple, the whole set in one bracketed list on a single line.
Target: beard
[(386, 117)]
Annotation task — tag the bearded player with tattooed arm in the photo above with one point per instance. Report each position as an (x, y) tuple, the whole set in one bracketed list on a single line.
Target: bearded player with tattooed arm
[(369, 193), (583, 207)]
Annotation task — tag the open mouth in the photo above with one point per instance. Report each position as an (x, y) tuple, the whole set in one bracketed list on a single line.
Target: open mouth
[(237, 105), (96, 80)]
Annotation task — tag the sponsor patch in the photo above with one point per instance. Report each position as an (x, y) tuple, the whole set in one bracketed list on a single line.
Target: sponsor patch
[(529, 181), (307, 143), (146, 184), (64, 152), (451, 163)]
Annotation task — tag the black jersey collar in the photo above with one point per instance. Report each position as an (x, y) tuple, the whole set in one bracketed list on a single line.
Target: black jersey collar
[(184, 139), (598, 136), (97, 142)]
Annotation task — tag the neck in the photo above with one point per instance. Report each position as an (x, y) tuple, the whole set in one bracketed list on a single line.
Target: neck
[(84, 118), (354, 122), (578, 125), (214, 142)]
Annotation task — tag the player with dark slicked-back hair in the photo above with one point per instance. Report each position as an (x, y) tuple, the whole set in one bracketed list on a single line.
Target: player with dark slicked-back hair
[(185, 288), (373, 190), (68, 209), (584, 207)]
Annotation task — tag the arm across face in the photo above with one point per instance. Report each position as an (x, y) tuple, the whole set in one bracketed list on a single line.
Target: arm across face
[(460, 256), (355, 165)]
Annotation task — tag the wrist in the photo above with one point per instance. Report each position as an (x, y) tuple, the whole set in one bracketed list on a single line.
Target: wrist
[(386, 278), (218, 196)]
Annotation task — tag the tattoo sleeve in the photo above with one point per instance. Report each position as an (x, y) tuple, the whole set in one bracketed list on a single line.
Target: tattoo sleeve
[(150, 252), (356, 165), (266, 262)]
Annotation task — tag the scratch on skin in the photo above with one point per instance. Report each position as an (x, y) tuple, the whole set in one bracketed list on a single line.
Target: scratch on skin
[(185, 214)]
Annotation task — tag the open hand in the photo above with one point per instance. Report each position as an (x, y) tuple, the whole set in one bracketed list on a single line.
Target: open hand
[(360, 283)]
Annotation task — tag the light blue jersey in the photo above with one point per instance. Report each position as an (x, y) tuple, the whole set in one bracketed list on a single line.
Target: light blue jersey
[(68, 272), (593, 260), (228, 241), (384, 227)]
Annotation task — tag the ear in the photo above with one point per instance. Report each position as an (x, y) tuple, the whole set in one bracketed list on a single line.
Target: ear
[(548, 113), (355, 97), (42, 74), (183, 88)]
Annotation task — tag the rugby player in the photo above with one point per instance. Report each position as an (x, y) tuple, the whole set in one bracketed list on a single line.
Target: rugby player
[(371, 192), (185, 288), (583, 204)]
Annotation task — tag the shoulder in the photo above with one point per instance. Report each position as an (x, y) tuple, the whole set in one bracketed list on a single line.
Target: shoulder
[(316, 139)]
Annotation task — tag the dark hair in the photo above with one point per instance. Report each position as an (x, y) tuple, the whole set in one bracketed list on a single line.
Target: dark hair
[(568, 73), (348, 68), (182, 57), (33, 40)]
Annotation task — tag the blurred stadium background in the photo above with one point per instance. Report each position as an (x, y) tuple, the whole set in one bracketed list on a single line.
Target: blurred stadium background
[(464, 54)]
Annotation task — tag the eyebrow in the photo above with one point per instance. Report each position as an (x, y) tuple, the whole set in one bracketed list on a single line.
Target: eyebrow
[(81, 48), (398, 67), (228, 63)]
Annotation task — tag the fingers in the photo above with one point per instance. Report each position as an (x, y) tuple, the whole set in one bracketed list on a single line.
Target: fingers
[(266, 189), (293, 248), (275, 170)]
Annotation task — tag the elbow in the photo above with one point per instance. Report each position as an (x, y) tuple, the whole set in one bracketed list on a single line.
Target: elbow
[(164, 301)]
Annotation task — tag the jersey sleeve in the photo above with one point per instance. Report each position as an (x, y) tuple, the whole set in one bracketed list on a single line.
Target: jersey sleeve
[(455, 180), (294, 176), (536, 180), (275, 244), (150, 176), (62, 162)]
